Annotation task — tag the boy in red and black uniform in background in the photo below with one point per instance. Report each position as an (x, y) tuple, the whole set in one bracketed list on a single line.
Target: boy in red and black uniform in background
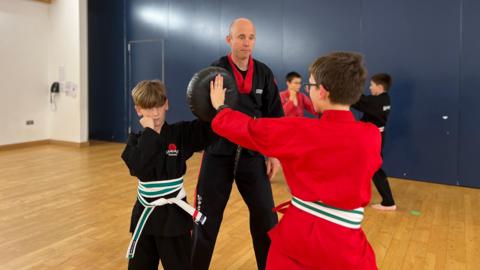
[(295, 102)]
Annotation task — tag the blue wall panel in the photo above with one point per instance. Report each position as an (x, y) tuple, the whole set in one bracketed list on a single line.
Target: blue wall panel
[(315, 27), (470, 96), (419, 46), (146, 19), (145, 62), (430, 47), (106, 57), (180, 53)]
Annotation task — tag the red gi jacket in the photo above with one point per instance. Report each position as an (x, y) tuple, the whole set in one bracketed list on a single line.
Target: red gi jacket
[(331, 159), (304, 103)]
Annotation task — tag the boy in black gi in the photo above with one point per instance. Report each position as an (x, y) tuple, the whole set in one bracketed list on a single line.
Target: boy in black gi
[(161, 219), (376, 108)]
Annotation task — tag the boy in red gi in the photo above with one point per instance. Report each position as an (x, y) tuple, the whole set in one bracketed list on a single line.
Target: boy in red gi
[(294, 102), (328, 164)]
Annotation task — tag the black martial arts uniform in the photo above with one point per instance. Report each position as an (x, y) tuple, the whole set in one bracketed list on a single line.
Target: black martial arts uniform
[(375, 110), (224, 161), (150, 156)]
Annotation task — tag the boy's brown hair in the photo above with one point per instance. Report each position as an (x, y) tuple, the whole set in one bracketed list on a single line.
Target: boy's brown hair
[(149, 94), (382, 79), (292, 75), (342, 74)]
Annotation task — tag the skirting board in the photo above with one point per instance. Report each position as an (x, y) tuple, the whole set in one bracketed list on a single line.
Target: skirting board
[(43, 142)]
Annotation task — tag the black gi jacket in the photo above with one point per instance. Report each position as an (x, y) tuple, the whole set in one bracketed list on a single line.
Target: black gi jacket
[(262, 101), (375, 110), (153, 157)]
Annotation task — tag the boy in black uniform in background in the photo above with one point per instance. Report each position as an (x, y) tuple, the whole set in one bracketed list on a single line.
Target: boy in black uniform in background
[(161, 219), (376, 108)]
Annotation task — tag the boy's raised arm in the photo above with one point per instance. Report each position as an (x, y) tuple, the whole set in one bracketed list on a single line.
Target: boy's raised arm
[(268, 136), (140, 151), (265, 135), (197, 135)]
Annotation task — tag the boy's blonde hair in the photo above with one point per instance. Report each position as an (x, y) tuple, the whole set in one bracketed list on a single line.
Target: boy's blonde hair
[(149, 94)]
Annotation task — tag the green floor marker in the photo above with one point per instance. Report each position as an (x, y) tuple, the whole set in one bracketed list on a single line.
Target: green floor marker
[(415, 213)]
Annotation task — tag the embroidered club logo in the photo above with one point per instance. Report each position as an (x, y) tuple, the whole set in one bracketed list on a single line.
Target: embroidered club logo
[(172, 150)]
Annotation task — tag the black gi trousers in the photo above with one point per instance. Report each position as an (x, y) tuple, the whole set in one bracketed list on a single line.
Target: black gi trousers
[(215, 181), (381, 183), (174, 253)]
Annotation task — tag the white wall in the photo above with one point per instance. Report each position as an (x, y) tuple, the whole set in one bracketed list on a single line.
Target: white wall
[(23, 70), (67, 122), (38, 39)]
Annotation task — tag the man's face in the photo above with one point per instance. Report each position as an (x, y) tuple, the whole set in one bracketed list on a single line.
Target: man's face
[(242, 39), (295, 84)]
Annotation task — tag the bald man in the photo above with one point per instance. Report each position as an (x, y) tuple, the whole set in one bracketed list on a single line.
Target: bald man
[(223, 162)]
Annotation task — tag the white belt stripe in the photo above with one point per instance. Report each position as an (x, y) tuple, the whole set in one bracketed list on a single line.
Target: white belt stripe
[(346, 218)]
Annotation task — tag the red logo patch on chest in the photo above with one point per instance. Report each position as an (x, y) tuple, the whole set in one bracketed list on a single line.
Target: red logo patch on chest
[(172, 150)]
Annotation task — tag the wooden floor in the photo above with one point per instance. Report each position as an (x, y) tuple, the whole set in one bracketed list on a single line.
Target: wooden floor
[(69, 208)]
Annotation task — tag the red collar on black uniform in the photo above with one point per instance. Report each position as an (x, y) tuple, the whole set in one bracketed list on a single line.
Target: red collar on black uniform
[(244, 85)]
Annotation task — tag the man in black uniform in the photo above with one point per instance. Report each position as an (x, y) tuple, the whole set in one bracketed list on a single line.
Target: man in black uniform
[(223, 161), (161, 219), (376, 108)]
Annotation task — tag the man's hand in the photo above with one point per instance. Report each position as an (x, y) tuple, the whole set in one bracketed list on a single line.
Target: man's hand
[(273, 165), (217, 92)]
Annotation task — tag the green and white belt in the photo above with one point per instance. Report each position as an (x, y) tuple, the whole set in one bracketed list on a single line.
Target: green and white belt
[(158, 190), (346, 218)]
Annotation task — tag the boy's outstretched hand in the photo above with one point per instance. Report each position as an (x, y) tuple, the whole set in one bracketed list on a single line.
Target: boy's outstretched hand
[(217, 92)]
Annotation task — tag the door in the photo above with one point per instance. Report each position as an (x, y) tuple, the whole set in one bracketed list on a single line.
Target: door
[(145, 62)]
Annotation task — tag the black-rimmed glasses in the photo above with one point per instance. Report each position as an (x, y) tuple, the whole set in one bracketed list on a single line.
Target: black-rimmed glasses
[(307, 86)]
